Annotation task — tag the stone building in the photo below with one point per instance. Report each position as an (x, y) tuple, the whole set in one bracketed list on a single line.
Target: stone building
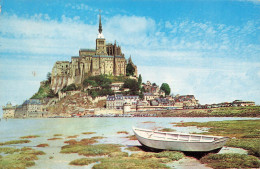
[(115, 102), (116, 86), (153, 89), (30, 108), (107, 58), (243, 103), (8, 110), (186, 100), (118, 101)]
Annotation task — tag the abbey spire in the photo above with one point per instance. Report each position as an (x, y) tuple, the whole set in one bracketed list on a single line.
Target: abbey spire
[(100, 24), (100, 34)]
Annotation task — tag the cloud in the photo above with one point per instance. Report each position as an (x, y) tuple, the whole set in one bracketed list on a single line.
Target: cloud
[(253, 1), (215, 62), (208, 85), (40, 35)]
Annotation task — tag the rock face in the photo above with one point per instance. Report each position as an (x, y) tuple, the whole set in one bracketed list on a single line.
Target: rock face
[(78, 103)]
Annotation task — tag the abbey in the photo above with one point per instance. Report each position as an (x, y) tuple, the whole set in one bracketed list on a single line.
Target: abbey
[(107, 58)]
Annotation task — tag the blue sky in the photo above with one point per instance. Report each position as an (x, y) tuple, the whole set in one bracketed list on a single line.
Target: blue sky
[(209, 48)]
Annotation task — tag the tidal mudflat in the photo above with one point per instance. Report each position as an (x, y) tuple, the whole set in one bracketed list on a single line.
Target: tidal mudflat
[(104, 141), (243, 134)]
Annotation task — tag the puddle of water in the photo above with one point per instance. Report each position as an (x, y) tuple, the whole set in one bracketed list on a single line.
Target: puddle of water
[(188, 163), (232, 150)]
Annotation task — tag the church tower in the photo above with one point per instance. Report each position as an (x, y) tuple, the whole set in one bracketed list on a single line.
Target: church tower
[(100, 41)]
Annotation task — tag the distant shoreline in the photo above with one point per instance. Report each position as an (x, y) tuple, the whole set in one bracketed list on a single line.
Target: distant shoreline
[(252, 111)]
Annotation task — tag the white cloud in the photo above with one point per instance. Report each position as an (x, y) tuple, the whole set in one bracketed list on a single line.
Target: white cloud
[(208, 85), (40, 36), (168, 25), (81, 7), (204, 59), (253, 1)]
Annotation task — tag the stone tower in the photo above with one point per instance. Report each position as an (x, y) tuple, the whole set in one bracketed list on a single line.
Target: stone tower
[(100, 41)]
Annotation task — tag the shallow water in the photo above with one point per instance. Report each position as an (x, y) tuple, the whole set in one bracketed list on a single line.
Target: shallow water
[(12, 129)]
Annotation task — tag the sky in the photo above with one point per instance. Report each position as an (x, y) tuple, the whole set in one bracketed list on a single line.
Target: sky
[(207, 48)]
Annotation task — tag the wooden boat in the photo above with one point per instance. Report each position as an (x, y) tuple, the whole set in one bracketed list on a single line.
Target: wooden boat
[(178, 141)]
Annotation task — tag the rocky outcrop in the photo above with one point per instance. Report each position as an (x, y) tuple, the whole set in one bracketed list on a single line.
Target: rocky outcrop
[(79, 102)]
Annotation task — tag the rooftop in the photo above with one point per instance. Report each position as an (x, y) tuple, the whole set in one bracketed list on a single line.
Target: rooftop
[(32, 101)]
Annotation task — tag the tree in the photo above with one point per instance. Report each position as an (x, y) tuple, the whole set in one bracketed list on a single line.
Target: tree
[(88, 82), (132, 84), (140, 80), (166, 88), (143, 89), (51, 94), (70, 87), (48, 77), (130, 70)]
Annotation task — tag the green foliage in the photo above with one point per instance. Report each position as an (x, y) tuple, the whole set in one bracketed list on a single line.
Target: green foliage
[(118, 154), (84, 161), (116, 78), (100, 80), (166, 88), (132, 84), (253, 111), (91, 150), (44, 92), (234, 128), (14, 142), (118, 159), (250, 144), (231, 160), (22, 159), (130, 70), (48, 77), (140, 80), (101, 83), (143, 89), (8, 150), (70, 87), (172, 155), (126, 163), (51, 94), (162, 157), (88, 82)]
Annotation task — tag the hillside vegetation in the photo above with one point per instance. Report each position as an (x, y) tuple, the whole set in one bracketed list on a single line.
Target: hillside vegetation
[(44, 91)]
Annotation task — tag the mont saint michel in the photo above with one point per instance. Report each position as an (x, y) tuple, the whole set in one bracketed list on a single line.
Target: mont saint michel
[(107, 58)]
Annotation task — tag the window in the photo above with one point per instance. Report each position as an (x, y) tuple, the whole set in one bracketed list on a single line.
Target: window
[(101, 42)]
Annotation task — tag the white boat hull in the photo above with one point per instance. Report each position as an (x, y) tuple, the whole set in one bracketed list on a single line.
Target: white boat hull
[(179, 142)]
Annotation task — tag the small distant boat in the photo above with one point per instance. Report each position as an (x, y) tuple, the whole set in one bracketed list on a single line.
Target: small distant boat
[(178, 141)]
